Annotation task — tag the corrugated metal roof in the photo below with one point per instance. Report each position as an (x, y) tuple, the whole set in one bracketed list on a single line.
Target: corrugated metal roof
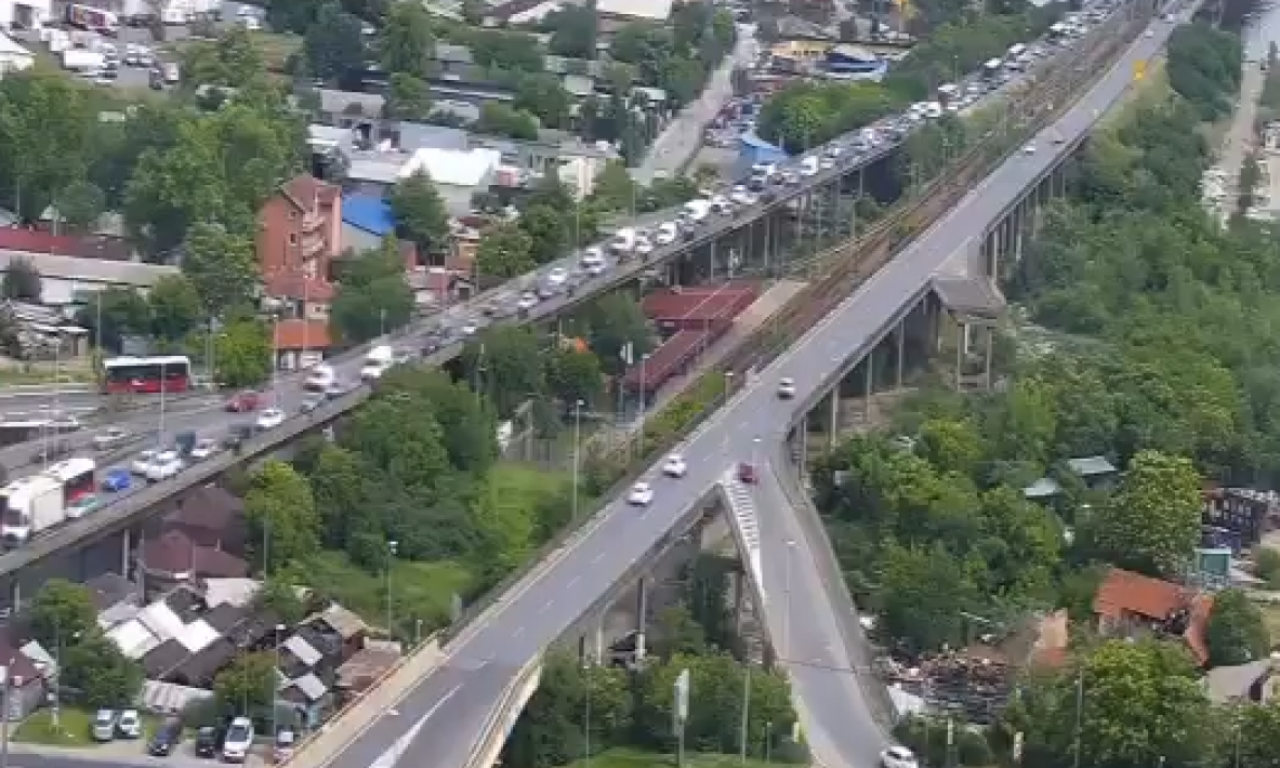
[(457, 169), (655, 10), (368, 213)]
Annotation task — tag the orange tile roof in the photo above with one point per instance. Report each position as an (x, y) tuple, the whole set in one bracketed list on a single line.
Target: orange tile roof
[(306, 191), (1197, 635), (1124, 592), (285, 286), (302, 334)]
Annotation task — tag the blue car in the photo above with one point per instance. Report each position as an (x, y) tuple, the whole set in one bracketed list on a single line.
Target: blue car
[(117, 480)]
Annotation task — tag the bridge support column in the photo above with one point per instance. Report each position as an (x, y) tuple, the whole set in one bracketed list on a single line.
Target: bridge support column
[(15, 596), (642, 616), (126, 547), (902, 351), (834, 430), (871, 383), (739, 597)]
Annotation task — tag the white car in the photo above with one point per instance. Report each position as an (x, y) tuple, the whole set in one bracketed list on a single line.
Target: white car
[(270, 418), (165, 465), (786, 389), (644, 246), (204, 448), (110, 438), (238, 741), (319, 378), (557, 276), (528, 300), (675, 466), (721, 204), (809, 166), (142, 463), (469, 328), (130, 724), (742, 196), (898, 757), (1029, 149), (641, 494), (1149, 34), (667, 233)]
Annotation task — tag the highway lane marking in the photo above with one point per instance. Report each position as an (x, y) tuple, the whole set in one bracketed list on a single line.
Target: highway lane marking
[(599, 556), (390, 757), (549, 604), (572, 581)]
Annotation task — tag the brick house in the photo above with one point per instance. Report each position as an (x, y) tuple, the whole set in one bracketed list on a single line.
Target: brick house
[(1129, 604), (300, 230), (301, 343)]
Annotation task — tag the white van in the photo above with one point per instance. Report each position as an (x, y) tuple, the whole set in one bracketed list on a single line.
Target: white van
[(593, 262), (320, 377), (623, 240), (696, 210), (376, 363)]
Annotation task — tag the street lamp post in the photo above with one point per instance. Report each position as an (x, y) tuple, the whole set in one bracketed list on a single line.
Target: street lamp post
[(391, 554), (577, 456), (644, 401), (786, 600)]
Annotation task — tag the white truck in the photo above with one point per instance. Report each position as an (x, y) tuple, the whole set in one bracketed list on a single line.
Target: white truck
[(31, 505), (80, 60), (376, 363)]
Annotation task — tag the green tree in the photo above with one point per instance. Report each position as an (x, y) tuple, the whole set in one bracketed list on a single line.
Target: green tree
[(1142, 702), (46, 125), (232, 61), (243, 353), (1236, 633), (420, 213), (337, 485), (574, 376), (374, 297), (408, 97), (573, 32), (113, 313), (616, 322), (175, 307), (543, 96), (22, 281), (101, 673), (248, 684), (407, 44), (499, 119), (80, 206), (1152, 523), (550, 732), (505, 252), (469, 427), (62, 613), (1259, 734), (923, 596), (281, 513), (333, 45), (505, 363)]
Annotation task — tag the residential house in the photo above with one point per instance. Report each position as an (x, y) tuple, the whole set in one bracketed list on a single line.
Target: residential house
[(309, 662), (173, 559), (211, 517), (300, 344), (615, 14), (300, 229), (515, 13), (68, 277), (1241, 512), (1129, 604), (1096, 472), (457, 174), (27, 677), (366, 221), (299, 297)]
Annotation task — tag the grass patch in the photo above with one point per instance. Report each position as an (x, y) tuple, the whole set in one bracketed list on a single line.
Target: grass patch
[(74, 728), (631, 758), (275, 48), (420, 591), (1152, 91), (1270, 618)]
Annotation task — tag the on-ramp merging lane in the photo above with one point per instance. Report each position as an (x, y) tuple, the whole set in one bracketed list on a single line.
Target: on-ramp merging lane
[(536, 612)]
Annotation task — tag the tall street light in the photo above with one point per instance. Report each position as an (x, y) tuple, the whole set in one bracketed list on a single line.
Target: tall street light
[(786, 600), (577, 456), (392, 546)]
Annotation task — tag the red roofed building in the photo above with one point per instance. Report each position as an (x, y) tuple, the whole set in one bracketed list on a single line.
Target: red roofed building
[(1129, 604), (37, 241), (300, 230), (301, 343), (174, 558)]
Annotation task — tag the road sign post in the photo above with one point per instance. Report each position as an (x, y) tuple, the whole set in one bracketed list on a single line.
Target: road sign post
[(680, 713)]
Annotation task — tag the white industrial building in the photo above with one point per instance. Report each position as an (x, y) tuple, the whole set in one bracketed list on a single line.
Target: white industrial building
[(30, 14), (13, 57)]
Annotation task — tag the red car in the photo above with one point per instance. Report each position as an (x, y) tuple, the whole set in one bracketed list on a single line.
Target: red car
[(747, 473), (244, 402)]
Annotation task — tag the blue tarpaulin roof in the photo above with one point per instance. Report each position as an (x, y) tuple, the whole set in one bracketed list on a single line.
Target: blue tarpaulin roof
[(369, 213)]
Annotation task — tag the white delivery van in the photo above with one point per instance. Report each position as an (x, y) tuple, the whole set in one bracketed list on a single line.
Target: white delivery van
[(376, 363), (30, 505)]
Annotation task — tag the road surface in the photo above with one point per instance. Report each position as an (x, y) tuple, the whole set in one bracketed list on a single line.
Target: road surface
[(681, 139), (538, 610)]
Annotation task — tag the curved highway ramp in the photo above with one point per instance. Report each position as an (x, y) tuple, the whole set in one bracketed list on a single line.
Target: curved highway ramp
[(443, 706)]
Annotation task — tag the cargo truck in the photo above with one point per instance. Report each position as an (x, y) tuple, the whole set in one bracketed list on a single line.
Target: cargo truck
[(78, 477), (30, 505), (79, 60)]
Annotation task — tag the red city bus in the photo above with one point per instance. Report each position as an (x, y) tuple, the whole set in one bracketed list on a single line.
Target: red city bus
[(147, 374)]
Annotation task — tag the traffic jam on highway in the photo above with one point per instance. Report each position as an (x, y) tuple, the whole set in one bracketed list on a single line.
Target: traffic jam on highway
[(75, 486)]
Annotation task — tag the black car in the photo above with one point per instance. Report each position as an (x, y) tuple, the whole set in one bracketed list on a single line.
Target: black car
[(237, 434), (208, 742), (168, 737)]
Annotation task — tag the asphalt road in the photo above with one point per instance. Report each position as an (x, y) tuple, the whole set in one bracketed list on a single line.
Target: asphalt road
[(535, 613), (683, 136)]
